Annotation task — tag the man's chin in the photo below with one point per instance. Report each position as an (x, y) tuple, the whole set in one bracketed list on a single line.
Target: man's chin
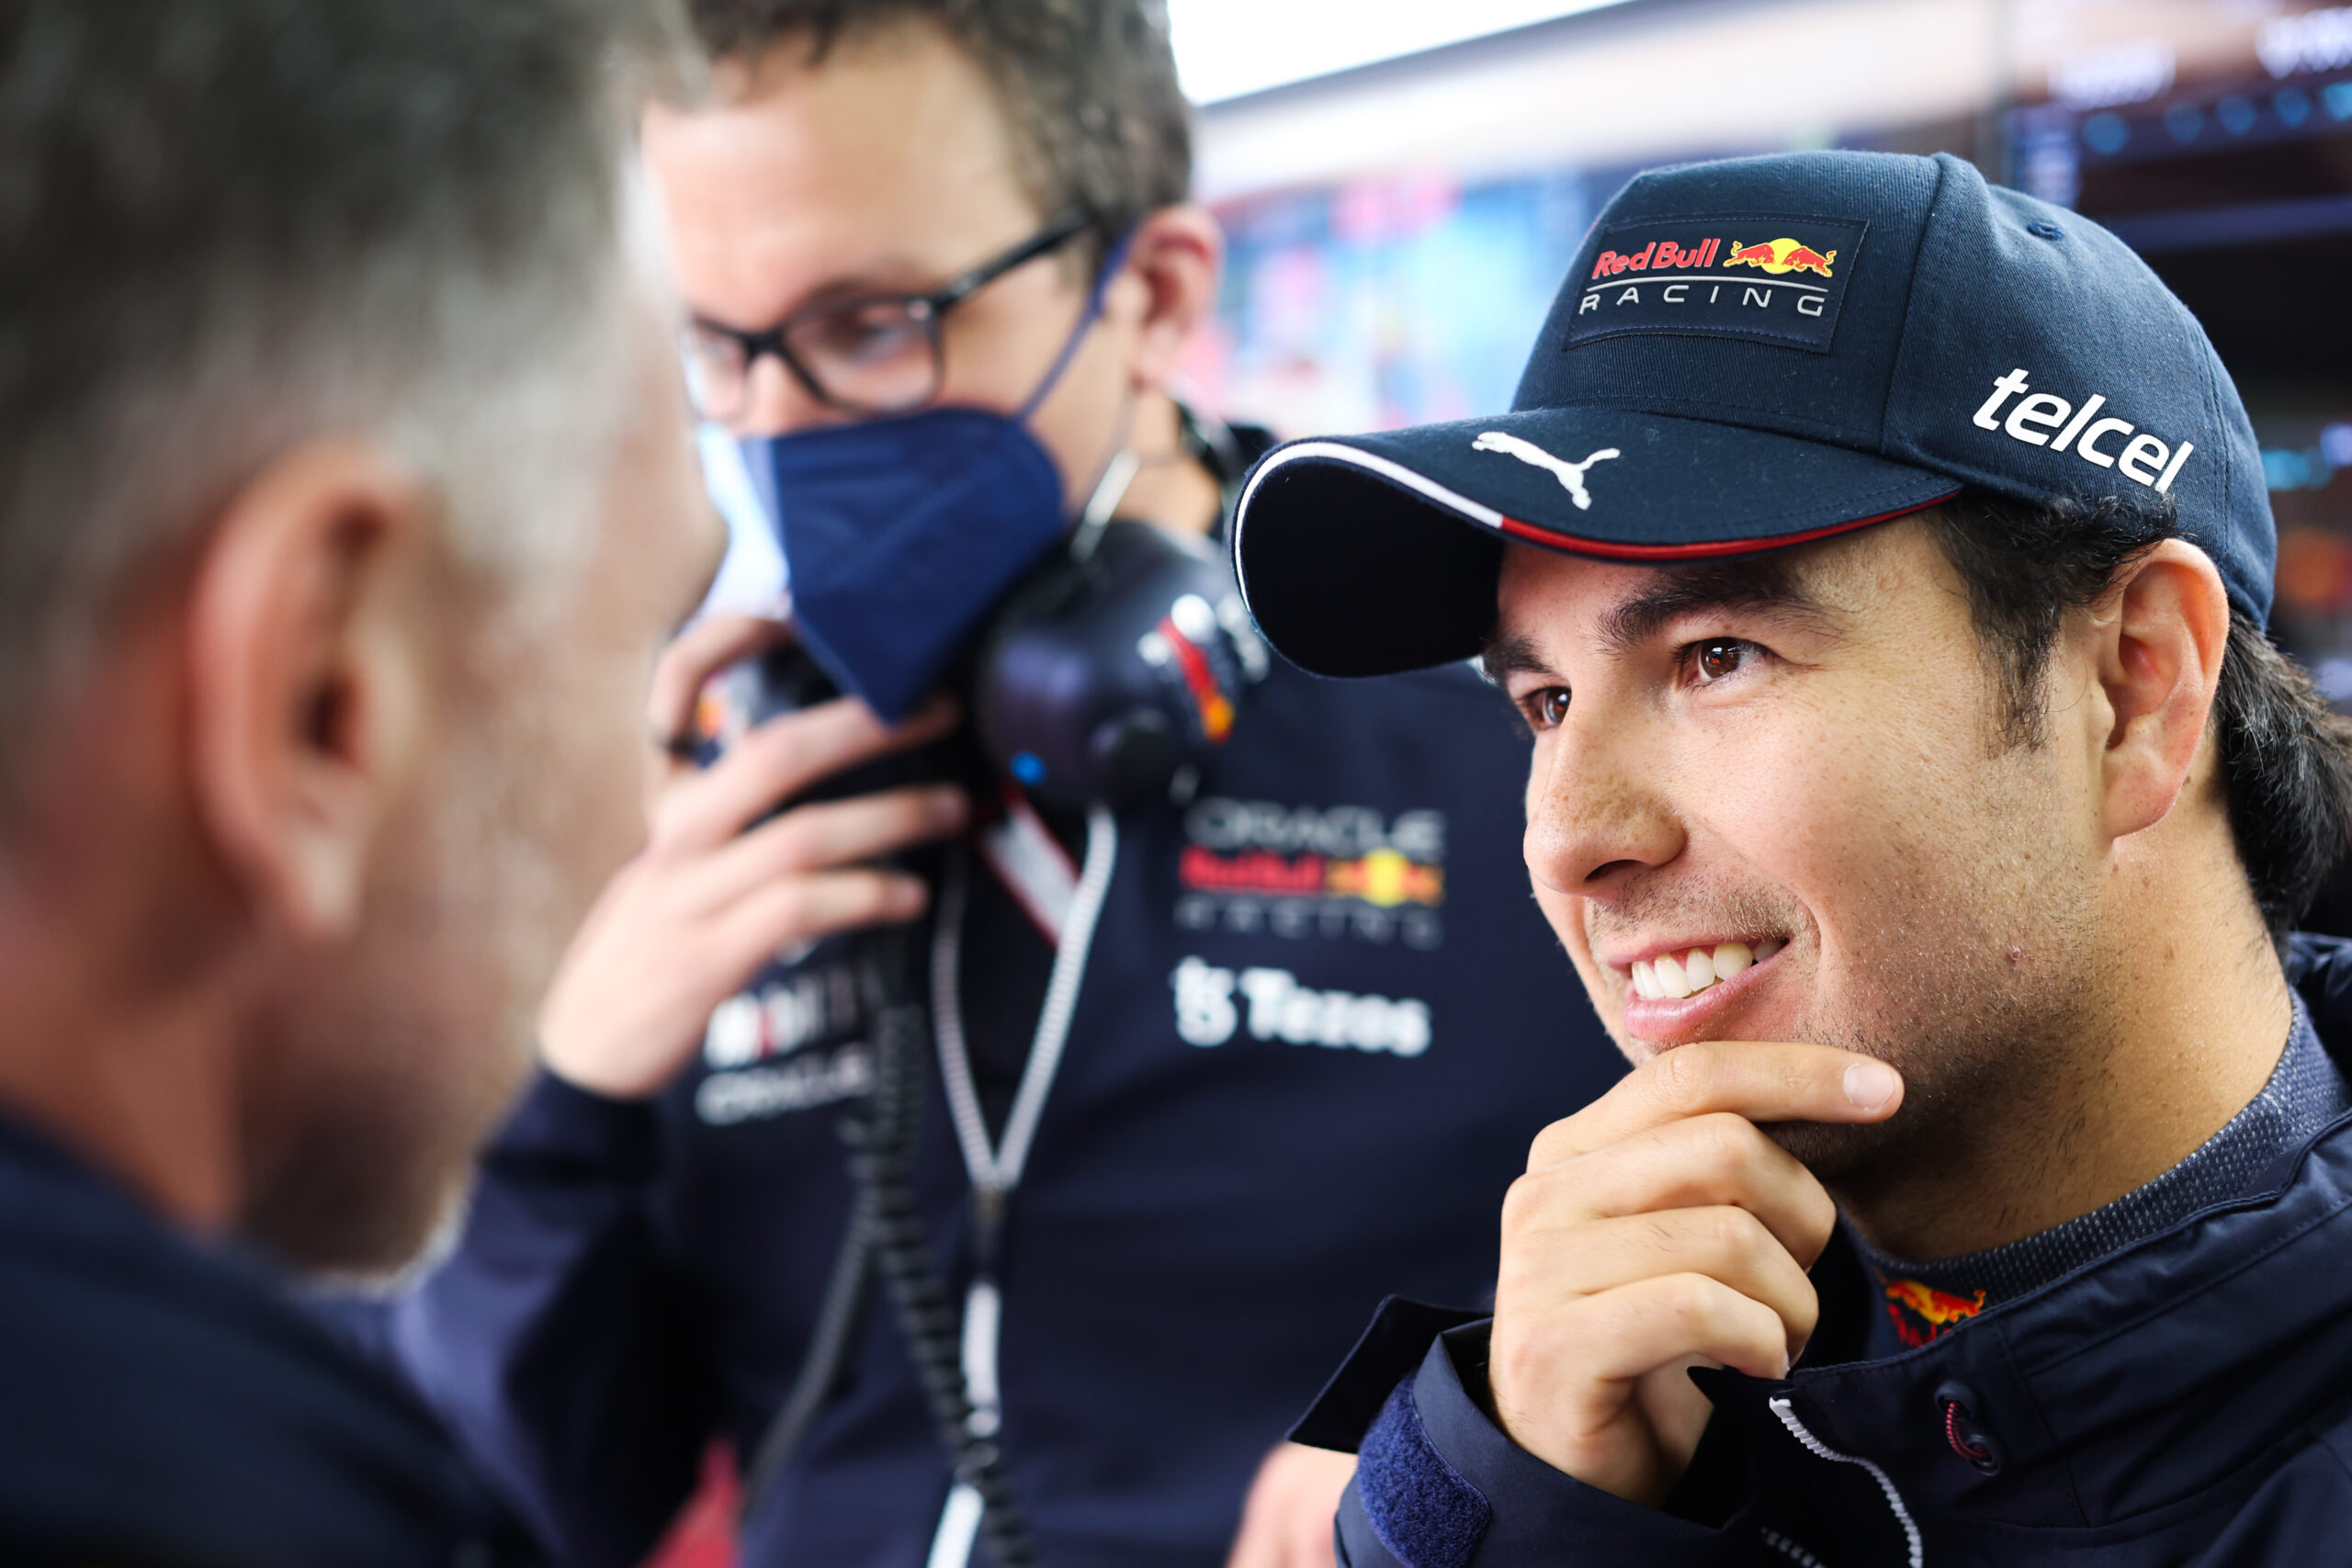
[(358, 1239), (1840, 1153), (372, 1179)]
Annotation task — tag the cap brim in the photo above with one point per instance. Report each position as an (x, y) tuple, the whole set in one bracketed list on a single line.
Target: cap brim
[(1368, 554)]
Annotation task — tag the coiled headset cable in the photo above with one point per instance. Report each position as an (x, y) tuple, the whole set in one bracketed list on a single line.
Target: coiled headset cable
[(954, 1353)]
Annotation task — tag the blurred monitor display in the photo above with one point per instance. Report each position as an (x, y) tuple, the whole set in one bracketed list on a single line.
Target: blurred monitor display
[(1397, 228)]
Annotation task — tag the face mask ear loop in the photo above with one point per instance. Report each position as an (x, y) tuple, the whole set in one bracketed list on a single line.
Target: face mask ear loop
[(1111, 263), (1108, 493)]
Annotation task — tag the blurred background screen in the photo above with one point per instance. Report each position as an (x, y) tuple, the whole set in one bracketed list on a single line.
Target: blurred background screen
[(1404, 183)]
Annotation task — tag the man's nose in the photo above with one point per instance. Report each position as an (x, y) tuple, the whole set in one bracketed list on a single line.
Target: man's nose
[(1595, 816), (776, 403)]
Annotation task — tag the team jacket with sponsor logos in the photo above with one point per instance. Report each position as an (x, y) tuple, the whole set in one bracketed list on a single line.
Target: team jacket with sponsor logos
[(2186, 1400), (1321, 1021)]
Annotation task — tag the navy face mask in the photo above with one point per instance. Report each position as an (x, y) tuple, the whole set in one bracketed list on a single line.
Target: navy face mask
[(901, 535)]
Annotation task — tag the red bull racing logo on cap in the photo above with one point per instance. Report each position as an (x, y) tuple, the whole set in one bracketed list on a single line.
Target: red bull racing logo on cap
[(1706, 278), (1665, 254)]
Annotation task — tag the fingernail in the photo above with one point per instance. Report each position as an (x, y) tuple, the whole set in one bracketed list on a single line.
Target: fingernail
[(947, 806), (1870, 1085)]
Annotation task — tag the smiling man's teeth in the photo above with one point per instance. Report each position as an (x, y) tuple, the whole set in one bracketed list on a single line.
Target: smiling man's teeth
[(1688, 973), (1671, 981)]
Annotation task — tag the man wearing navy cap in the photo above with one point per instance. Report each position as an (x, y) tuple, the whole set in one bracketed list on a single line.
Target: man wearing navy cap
[(1881, 561)]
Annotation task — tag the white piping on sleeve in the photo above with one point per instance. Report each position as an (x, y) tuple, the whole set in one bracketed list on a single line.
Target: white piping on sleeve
[(1819, 1449)]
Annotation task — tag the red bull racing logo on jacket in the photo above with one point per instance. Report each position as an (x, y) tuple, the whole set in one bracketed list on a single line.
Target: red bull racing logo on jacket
[(1921, 1313), (1726, 280), (1310, 871)]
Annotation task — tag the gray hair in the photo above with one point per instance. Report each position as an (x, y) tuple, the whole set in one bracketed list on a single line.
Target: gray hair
[(229, 226)]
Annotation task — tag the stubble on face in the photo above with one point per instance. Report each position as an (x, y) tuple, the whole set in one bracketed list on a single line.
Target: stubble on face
[(1976, 973), (1976, 964), (397, 1056), (1976, 969), (395, 1059), (1927, 882)]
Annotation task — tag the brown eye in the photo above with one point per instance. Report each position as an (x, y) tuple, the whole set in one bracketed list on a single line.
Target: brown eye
[(1551, 707), (1720, 657)]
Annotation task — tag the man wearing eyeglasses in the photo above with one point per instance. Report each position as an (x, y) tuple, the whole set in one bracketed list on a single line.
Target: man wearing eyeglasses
[(1299, 1061)]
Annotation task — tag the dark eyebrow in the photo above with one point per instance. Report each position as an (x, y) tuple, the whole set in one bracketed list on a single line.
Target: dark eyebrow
[(877, 277), (1507, 655), (1771, 584)]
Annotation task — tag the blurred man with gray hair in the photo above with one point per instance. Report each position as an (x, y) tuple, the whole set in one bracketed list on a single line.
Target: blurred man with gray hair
[(345, 495), (942, 266)]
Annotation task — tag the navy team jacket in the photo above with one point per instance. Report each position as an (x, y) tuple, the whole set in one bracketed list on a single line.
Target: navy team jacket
[(2185, 1400), (1218, 1198), (165, 1404)]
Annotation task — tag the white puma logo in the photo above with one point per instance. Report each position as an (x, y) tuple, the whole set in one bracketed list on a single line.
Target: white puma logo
[(1569, 474)]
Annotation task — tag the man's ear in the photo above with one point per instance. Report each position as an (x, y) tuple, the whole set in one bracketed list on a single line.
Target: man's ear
[(307, 636), (2161, 634), (1175, 254)]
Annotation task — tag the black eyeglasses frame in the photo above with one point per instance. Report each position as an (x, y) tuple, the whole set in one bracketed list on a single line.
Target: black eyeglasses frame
[(928, 307)]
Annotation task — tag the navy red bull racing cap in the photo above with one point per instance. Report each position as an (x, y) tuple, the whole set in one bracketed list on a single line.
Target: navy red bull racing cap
[(1755, 354)]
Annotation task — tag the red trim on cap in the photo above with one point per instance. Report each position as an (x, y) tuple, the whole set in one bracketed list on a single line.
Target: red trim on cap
[(1604, 548)]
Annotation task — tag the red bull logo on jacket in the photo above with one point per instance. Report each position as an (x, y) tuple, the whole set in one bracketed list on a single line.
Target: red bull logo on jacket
[(1921, 1313), (1293, 872)]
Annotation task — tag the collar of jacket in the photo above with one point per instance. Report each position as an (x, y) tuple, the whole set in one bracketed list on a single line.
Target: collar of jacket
[(2152, 1384), (2140, 1383)]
